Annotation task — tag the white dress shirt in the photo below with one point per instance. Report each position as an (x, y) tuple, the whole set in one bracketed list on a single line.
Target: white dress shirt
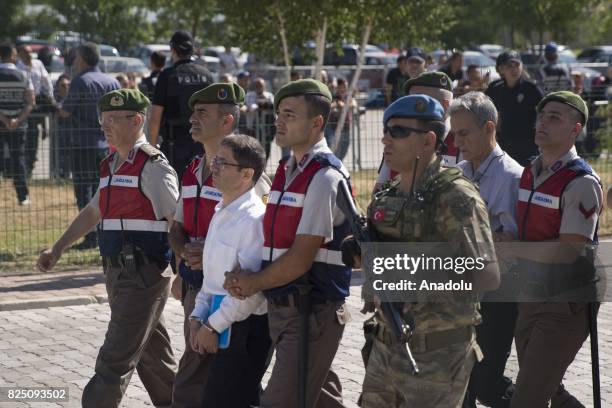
[(498, 178), (41, 81), (234, 238)]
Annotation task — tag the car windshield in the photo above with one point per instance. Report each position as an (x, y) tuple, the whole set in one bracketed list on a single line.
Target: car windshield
[(477, 59)]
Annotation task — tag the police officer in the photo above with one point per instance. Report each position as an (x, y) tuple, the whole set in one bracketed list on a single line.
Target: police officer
[(560, 199), (554, 76), (134, 204), (439, 86), (302, 276), (216, 110), (435, 205), (16, 103), (515, 98), (473, 118), (170, 112)]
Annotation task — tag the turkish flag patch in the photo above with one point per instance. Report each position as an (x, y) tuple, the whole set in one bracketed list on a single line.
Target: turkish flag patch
[(379, 215), (587, 213)]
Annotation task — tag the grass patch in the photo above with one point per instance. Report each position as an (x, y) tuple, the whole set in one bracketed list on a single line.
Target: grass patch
[(25, 231)]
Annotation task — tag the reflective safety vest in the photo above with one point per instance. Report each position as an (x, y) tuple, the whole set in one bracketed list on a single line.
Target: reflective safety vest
[(127, 214), (198, 209), (329, 277), (539, 209)]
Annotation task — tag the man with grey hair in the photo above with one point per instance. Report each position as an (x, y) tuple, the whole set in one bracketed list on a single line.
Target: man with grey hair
[(473, 119), (86, 138)]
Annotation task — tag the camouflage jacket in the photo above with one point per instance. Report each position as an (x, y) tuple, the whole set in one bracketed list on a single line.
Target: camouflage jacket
[(445, 207)]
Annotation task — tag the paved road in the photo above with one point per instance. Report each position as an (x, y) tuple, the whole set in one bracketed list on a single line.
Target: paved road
[(57, 346)]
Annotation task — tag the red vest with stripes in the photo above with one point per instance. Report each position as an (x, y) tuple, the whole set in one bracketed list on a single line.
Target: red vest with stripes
[(198, 201), (328, 275), (539, 209), (126, 212)]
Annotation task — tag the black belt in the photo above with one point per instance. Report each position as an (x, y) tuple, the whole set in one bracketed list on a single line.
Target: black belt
[(291, 300), (423, 342), (115, 261)]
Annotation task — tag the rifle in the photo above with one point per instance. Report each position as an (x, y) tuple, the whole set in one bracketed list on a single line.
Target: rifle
[(400, 329)]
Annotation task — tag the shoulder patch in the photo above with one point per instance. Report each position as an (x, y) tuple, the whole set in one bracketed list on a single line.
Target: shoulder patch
[(151, 151)]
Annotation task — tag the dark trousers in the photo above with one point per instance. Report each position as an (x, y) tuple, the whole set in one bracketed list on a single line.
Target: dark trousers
[(180, 152), (16, 167), (494, 336), (193, 367), (31, 149), (234, 380), (136, 338), (548, 336), (86, 172)]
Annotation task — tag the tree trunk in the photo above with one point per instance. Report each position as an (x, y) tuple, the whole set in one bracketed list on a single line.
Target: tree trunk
[(353, 85), (283, 35), (320, 49)]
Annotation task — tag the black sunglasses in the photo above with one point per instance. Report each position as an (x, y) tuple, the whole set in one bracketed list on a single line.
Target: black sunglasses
[(401, 132)]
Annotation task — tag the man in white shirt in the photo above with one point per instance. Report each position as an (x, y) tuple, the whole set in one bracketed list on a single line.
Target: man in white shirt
[(235, 238), (473, 119)]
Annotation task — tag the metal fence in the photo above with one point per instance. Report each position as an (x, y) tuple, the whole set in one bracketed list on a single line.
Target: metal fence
[(54, 185)]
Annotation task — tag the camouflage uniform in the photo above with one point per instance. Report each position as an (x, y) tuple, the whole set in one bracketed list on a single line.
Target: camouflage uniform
[(443, 341)]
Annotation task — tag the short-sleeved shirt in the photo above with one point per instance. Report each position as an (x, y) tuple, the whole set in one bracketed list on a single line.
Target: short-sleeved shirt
[(262, 188), (82, 104), (41, 81), (320, 213), (396, 80), (582, 199), (517, 117), (498, 178), (158, 182)]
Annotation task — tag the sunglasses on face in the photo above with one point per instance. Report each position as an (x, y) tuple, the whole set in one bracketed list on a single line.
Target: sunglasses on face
[(401, 132)]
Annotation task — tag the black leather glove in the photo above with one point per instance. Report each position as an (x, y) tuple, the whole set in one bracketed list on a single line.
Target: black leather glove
[(350, 247)]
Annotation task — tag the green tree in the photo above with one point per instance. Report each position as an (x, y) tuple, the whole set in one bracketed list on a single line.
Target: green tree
[(12, 19)]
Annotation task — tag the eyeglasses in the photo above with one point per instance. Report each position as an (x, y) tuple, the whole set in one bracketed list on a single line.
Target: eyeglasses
[(111, 120), (401, 132), (219, 162)]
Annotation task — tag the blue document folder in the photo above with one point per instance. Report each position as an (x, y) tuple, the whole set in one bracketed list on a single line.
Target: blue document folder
[(224, 337)]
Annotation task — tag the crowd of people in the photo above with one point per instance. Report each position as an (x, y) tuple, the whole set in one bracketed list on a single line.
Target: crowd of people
[(264, 265)]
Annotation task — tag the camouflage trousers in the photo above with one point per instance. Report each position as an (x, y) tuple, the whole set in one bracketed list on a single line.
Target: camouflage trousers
[(441, 383)]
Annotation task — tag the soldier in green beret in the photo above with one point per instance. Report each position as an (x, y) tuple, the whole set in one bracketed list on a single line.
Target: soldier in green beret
[(560, 200), (133, 207), (302, 276), (215, 115)]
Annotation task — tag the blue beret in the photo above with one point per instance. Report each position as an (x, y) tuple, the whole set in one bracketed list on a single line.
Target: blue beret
[(415, 106)]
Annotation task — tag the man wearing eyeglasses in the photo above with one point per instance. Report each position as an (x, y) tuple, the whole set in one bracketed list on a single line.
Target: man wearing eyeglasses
[(134, 203), (427, 204), (234, 238), (215, 115)]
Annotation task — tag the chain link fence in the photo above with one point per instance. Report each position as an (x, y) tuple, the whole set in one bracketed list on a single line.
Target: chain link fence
[(58, 170)]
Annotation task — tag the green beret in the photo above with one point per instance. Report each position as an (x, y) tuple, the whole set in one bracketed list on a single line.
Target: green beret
[(302, 87), (567, 98), (124, 99), (435, 79), (220, 92)]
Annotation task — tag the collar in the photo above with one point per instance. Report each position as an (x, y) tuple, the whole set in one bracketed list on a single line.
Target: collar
[(88, 70), (238, 204), (319, 147), (181, 62), (132, 154), (570, 155), (430, 171), (8, 65), (481, 170)]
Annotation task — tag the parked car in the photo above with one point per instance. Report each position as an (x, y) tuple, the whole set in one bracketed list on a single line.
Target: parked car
[(490, 50), (600, 56), (485, 63), (215, 51), (116, 65), (144, 52), (108, 51)]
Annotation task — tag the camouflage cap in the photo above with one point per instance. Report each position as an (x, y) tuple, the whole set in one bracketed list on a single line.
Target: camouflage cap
[(302, 87), (567, 98), (220, 92), (414, 106), (435, 79), (124, 99)]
